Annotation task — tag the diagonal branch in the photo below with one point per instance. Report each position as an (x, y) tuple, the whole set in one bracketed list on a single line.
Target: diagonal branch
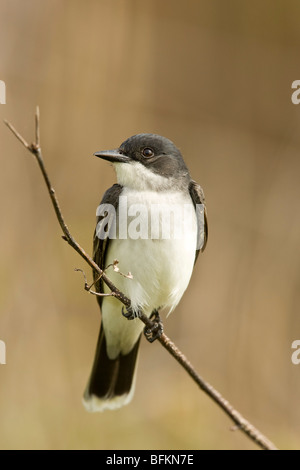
[(241, 423), (35, 149)]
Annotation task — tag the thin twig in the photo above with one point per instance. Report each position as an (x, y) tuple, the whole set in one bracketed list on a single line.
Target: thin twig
[(240, 422), (88, 287), (116, 268), (37, 126), (36, 151), (16, 133)]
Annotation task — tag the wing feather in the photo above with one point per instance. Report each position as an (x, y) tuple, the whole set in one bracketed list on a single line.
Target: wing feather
[(111, 196), (197, 196)]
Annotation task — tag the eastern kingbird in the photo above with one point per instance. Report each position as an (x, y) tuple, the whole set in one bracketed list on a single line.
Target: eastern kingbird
[(152, 179)]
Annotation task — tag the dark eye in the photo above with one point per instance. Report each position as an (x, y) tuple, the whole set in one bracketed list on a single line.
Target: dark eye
[(148, 152)]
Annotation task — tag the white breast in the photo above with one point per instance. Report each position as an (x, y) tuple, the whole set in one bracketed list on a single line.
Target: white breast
[(161, 268)]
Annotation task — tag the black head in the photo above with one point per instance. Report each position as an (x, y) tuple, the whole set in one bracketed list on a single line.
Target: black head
[(154, 152)]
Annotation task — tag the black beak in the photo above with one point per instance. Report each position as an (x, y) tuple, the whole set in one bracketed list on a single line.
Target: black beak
[(113, 156)]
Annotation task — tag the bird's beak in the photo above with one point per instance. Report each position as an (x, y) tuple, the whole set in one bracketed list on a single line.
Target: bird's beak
[(113, 156)]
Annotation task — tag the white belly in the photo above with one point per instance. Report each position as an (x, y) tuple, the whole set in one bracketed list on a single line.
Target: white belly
[(161, 268)]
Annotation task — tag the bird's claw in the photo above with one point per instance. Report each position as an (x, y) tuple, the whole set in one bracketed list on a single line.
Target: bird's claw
[(129, 313), (156, 330)]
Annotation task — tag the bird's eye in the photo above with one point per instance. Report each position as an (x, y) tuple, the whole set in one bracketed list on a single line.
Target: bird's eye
[(147, 152)]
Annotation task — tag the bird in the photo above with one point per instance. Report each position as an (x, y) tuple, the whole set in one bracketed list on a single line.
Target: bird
[(151, 265)]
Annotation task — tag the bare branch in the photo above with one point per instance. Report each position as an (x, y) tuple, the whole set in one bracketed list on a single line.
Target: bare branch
[(16, 133), (37, 126), (36, 151), (88, 287), (240, 422), (116, 268)]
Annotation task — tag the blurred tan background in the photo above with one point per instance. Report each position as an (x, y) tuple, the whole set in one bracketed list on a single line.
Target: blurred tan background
[(215, 77)]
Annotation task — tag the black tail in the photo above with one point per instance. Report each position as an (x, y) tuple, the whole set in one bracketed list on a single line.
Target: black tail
[(111, 384)]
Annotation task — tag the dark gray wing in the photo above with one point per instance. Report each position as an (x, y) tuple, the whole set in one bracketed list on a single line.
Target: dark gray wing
[(198, 199), (106, 224)]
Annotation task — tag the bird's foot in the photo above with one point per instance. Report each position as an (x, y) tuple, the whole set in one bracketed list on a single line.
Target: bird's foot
[(129, 313), (156, 330)]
